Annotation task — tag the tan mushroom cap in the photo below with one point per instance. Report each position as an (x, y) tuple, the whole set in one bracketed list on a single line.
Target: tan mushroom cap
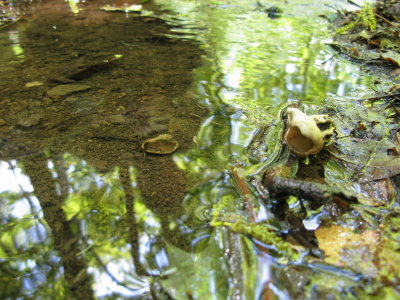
[(162, 144), (303, 136)]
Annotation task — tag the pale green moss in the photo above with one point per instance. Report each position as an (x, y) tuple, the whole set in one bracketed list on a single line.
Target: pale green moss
[(365, 18), (259, 231)]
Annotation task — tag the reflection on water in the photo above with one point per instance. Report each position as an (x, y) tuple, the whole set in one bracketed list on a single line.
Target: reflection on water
[(84, 212), (264, 62)]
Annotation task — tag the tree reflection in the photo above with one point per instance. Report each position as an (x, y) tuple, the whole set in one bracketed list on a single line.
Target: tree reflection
[(66, 243)]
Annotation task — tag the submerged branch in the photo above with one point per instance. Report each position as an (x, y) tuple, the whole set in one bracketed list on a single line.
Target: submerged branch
[(379, 97), (281, 186), (244, 191)]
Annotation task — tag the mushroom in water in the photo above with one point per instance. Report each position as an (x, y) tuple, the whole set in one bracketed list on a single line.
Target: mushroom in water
[(162, 144), (303, 136)]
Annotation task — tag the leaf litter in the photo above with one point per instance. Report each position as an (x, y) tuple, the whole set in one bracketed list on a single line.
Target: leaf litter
[(370, 35)]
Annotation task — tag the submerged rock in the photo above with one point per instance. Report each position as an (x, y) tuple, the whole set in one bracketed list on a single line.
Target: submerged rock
[(66, 89), (31, 120), (162, 144), (116, 119)]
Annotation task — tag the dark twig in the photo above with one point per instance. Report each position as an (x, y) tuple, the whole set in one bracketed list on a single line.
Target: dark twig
[(387, 21), (333, 56), (355, 4), (280, 186), (9, 23), (379, 97), (396, 110)]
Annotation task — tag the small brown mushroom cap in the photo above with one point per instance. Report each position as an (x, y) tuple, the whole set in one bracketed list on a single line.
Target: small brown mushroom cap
[(162, 144)]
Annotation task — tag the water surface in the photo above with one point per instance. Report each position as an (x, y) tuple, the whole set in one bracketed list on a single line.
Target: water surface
[(85, 212)]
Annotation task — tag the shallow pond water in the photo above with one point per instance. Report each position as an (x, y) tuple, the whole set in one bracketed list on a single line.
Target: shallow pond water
[(86, 213)]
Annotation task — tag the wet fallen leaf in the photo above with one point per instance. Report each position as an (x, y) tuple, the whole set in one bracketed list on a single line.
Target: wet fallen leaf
[(345, 248), (369, 252), (376, 193), (373, 155), (369, 191), (391, 57)]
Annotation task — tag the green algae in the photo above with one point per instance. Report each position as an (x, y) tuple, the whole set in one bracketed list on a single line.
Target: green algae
[(259, 231)]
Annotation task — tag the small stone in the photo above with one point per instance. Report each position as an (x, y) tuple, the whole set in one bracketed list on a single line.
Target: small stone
[(71, 99), (116, 119), (47, 100), (33, 84), (66, 89), (31, 120), (127, 156), (121, 109)]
